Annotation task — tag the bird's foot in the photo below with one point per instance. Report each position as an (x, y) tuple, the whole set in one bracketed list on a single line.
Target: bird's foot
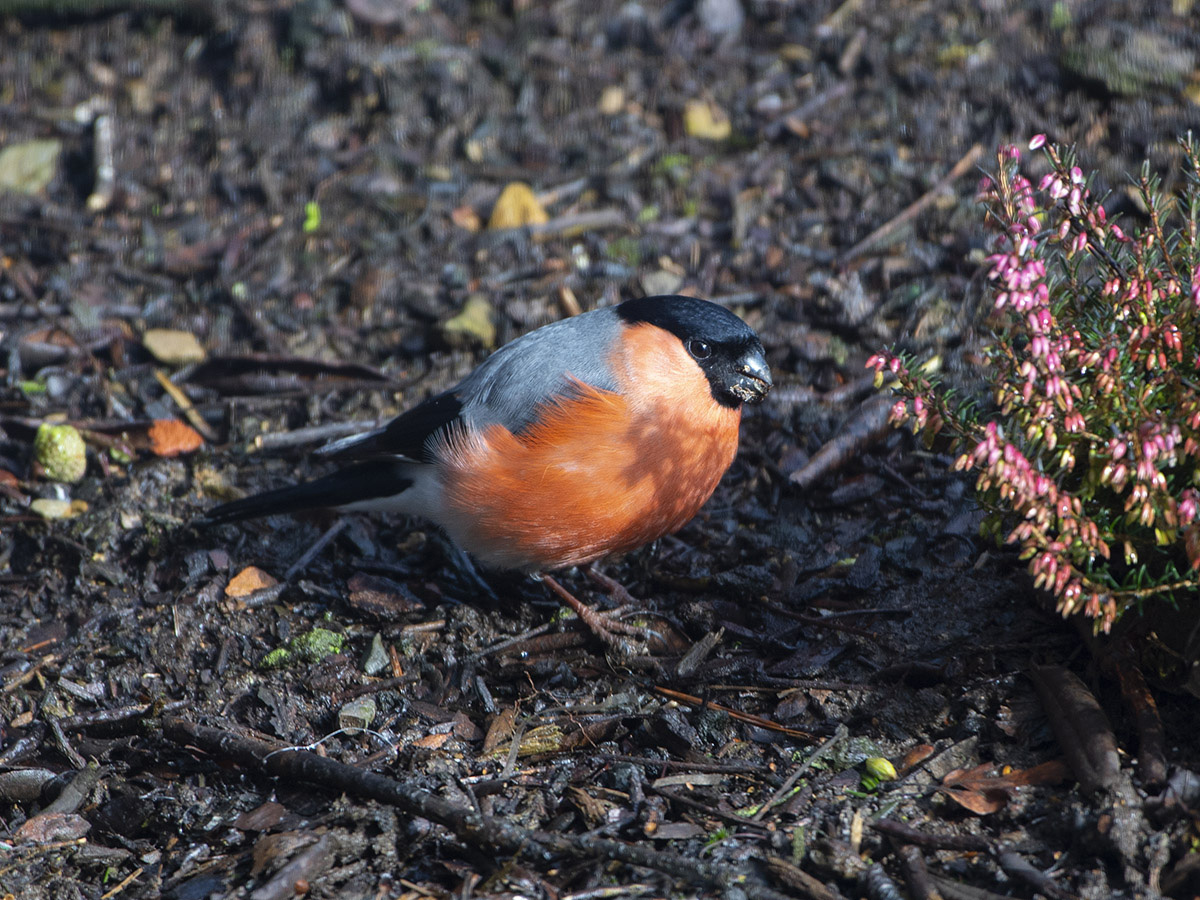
[(626, 639)]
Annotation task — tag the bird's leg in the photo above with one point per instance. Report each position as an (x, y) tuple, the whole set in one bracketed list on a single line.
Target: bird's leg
[(612, 587), (603, 625)]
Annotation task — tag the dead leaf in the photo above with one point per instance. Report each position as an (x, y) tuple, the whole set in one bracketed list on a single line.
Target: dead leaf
[(170, 437), (466, 218), (915, 756), (594, 810), (173, 347), (262, 818), (28, 167), (500, 730), (978, 790), (705, 120), (273, 849), (517, 207), (49, 828), (983, 792), (432, 741), (612, 100)]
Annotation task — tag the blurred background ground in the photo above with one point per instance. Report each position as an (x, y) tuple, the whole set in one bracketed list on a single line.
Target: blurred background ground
[(300, 198)]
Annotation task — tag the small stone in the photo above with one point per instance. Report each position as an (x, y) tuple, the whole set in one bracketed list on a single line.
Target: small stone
[(660, 282), (358, 713), (60, 451), (721, 18), (52, 509)]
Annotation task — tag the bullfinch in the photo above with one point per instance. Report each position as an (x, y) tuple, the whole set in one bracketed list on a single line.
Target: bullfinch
[(590, 436)]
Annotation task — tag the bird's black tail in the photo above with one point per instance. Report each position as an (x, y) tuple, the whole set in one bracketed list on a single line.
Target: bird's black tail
[(374, 479)]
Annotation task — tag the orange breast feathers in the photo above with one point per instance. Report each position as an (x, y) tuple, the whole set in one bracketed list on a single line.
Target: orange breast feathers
[(600, 472)]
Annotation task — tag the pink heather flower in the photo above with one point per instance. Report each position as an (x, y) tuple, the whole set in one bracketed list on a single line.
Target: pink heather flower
[(1076, 175), (899, 412), (1189, 505), (1037, 142)]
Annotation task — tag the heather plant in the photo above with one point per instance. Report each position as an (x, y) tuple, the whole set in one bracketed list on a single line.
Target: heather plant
[(1088, 459)]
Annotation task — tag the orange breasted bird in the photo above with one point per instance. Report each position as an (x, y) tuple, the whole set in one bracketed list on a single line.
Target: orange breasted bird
[(590, 436)]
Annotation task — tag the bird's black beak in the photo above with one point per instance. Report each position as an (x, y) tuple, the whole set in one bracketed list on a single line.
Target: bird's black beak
[(753, 379)]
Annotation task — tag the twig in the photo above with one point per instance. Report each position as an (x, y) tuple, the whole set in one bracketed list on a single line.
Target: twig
[(1016, 866), (906, 834), (1079, 724), (916, 874), (105, 185), (1152, 739), (482, 832), (125, 882), (868, 424), (577, 223), (838, 737), (316, 434), (318, 545), (182, 401), (915, 208), (745, 718)]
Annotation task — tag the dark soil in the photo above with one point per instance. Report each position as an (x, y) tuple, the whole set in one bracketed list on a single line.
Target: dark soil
[(305, 187)]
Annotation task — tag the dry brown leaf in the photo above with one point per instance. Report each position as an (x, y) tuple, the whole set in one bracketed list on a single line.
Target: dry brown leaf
[(247, 581), (466, 218), (48, 828), (978, 790), (1053, 772), (983, 792), (170, 437), (915, 756), (500, 730), (706, 121), (517, 207), (432, 741)]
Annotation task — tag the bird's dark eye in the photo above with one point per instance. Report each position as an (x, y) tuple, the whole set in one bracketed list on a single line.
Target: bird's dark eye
[(699, 349)]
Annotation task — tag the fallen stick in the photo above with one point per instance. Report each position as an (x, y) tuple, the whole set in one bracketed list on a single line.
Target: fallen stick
[(482, 832), (915, 208)]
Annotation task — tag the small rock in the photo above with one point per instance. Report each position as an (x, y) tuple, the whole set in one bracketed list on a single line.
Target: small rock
[(61, 452), (58, 509), (660, 282), (358, 713), (721, 18)]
